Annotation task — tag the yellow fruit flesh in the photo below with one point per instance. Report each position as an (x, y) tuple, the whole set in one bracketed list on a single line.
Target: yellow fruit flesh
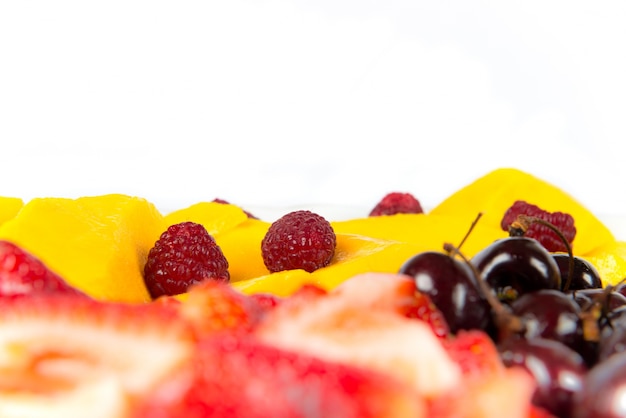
[(354, 254), (215, 217), (242, 248), (97, 244), (495, 192), (9, 207)]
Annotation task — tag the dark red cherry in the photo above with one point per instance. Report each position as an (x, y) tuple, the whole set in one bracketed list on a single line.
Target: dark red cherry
[(450, 284), (514, 266), (621, 288), (584, 275), (557, 369), (603, 393), (612, 300), (612, 341), (550, 314)]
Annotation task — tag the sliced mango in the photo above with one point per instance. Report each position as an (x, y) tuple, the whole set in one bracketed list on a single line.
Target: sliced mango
[(354, 254), (242, 248), (283, 283), (97, 244), (610, 261), (428, 231), (9, 207), (495, 192), (215, 217), (357, 254)]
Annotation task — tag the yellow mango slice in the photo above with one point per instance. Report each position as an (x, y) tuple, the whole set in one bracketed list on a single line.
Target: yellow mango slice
[(495, 192), (354, 255), (283, 283), (357, 254), (215, 217), (428, 231), (242, 248), (610, 261), (9, 207), (97, 244)]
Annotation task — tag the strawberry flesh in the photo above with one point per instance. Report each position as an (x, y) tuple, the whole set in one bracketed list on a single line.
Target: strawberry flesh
[(64, 355), (245, 377)]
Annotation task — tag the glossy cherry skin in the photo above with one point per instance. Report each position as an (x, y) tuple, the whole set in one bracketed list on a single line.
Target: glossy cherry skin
[(514, 266), (613, 334), (584, 276), (604, 390), (612, 299), (451, 287), (550, 314), (558, 370), (612, 341)]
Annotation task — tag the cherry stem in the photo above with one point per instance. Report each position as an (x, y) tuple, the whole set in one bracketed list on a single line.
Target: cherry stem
[(469, 231), (505, 320), (521, 225)]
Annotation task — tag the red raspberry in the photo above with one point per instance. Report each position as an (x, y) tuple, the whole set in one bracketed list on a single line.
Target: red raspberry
[(299, 240), (396, 202), (185, 254), (548, 238)]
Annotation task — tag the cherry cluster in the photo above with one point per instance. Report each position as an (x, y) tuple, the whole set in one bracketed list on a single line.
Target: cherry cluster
[(546, 311)]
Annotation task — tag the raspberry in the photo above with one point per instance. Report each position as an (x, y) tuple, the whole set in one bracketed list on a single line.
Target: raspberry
[(185, 254), (299, 240), (548, 238), (396, 202)]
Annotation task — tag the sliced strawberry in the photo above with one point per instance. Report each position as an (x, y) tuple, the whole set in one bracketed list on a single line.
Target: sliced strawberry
[(537, 412), (475, 352), (68, 356), (352, 325), (21, 273), (496, 395), (237, 377), (395, 292), (213, 306)]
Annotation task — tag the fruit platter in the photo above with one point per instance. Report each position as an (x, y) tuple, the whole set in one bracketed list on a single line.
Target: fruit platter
[(506, 299)]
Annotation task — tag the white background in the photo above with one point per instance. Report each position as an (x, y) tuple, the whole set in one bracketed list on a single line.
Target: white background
[(277, 103)]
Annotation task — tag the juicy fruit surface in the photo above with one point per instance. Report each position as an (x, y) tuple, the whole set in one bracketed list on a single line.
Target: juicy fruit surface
[(185, 254), (62, 356), (321, 337), (97, 244), (218, 352)]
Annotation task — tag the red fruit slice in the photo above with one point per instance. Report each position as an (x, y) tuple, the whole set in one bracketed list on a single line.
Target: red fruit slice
[(475, 352), (21, 273), (242, 377), (496, 395), (358, 323), (394, 293), (67, 356), (213, 306)]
